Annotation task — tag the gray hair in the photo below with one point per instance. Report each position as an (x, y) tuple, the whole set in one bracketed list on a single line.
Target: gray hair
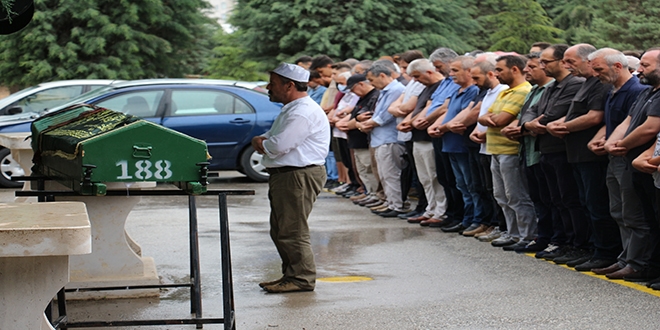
[(420, 65), (487, 57), (467, 62), (381, 67), (633, 62), (611, 56), (583, 50), (443, 54), (485, 66)]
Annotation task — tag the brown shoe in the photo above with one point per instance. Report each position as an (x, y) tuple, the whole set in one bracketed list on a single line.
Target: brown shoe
[(284, 286), (417, 219), (607, 270), (484, 233), (478, 230), (265, 284), (621, 273), (357, 197)]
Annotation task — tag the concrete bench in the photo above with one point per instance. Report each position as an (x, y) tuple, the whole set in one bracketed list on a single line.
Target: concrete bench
[(36, 240)]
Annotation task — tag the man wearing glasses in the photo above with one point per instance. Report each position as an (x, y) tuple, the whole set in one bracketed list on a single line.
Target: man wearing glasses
[(562, 187)]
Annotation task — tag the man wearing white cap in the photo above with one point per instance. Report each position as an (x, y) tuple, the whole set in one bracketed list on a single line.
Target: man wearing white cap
[(294, 152)]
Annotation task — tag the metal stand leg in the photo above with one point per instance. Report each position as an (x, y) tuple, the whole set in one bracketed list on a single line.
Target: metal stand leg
[(196, 289), (225, 253)]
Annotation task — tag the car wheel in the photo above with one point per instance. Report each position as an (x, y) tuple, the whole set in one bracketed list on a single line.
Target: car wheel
[(251, 165), (9, 168)]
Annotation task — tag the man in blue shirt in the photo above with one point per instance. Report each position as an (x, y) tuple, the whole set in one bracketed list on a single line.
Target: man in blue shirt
[(453, 144), (383, 133), (315, 88)]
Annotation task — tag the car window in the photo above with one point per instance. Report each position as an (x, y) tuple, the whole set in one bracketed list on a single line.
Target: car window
[(241, 107), (139, 103), (49, 98), (205, 102)]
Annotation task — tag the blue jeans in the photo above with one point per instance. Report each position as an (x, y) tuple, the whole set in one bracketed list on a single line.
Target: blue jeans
[(331, 167), (473, 207)]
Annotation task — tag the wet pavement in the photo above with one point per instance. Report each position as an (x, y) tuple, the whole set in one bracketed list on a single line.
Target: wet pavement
[(421, 278)]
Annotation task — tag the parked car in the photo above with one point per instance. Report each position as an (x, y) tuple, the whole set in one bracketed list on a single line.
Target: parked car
[(48, 95), (221, 113)]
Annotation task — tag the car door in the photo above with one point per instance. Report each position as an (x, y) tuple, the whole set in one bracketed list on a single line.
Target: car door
[(216, 116), (143, 103)]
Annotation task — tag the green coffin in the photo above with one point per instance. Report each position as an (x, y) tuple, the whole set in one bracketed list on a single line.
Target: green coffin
[(84, 147)]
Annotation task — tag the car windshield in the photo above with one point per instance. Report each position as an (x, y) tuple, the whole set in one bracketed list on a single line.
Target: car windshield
[(80, 99), (16, 96)]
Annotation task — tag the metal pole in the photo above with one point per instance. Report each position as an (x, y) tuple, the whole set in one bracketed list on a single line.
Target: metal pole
[(196, 290), (225, 253)]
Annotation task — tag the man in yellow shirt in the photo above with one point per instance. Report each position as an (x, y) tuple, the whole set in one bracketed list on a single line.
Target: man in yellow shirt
[(509, 181)]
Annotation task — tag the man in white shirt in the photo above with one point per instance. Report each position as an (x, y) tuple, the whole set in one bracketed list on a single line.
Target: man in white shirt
[(294, 152)]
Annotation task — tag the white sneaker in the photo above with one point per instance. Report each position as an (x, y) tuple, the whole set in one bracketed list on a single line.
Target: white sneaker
[(341, 188), (494, 234)]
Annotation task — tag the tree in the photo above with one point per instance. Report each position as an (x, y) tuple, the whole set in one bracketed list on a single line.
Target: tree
[(282, 30), (519, 24), (229, 61), (85, 39)]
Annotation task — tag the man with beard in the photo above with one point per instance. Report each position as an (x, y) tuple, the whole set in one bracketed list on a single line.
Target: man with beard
[(610, 67), (509, 185), (294, 152), (536, 181), (629, 140)]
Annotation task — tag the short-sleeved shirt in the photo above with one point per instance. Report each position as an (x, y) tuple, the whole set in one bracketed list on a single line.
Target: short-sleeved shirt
[(619, 103), (511, 102), (356, 138), (386, 132), (656, 153), (488, 100), (414, 88), (422, 99), (528, 146), (554, 104), (316, 93), (445, 90), (466, 135), (591, 96), (647, 104), (452, 142)]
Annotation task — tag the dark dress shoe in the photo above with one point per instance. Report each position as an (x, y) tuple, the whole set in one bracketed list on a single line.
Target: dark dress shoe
[(610, 269), (437, 223), (389, 214), (644, 275), (621, 273), (453, 229), (411, 214), (655, 286), (594, 264), (513, 247)]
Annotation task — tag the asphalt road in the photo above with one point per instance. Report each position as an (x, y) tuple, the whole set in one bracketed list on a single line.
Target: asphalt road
[(420, 278)]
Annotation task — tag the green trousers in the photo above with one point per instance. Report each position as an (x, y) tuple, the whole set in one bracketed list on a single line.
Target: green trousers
[(292, 195)]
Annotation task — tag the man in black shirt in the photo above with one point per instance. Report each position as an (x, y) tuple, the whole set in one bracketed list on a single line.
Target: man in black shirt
[(583, 120), (631, 138), (422, 70), (553, 105), (358, 142)]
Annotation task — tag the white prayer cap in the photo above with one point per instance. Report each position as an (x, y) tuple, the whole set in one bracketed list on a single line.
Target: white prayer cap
[(293, 72)]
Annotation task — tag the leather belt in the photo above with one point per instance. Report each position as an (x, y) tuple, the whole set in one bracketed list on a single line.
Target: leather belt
[(285, 169)]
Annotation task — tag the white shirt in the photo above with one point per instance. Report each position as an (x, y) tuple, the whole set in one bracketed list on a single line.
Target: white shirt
[(489, 99), (349, 99), (414, 88), (300, 136)]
